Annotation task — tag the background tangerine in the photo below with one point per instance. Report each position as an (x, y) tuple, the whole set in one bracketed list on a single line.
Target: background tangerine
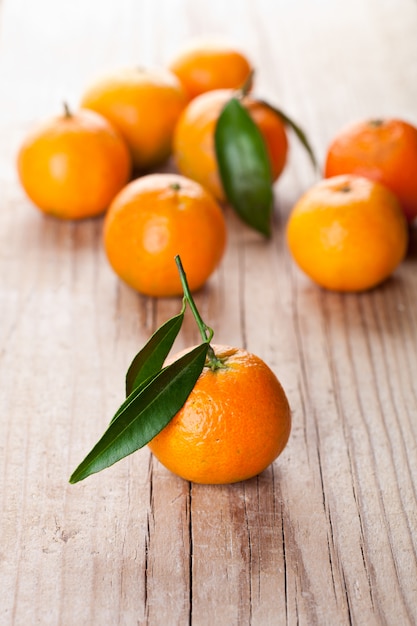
[(153, 219), (144, 104), (205, 65), (194, 149), (383, 150), (73, 165), (347, 233)]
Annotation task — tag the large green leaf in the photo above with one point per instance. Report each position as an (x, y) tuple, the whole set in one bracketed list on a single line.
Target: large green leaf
[(151, 358), (244, 166), (145, 412)]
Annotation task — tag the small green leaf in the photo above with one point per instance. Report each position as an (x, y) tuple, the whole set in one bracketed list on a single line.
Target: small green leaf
[(151, 358), (297, 130), (145, 412), (244, 166)]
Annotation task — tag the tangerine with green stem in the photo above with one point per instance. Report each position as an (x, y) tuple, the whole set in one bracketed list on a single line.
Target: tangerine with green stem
[(233, 425), (232, 421)]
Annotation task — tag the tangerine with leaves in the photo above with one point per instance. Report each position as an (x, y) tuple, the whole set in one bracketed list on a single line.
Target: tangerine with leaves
[(156, 217), (206, 65), (233, 425), (211, 414), (384, 150), (194, 146), (347, 233), (71, 166), (144, 105)]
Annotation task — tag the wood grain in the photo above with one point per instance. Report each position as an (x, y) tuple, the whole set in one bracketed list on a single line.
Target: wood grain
[(328, 534)]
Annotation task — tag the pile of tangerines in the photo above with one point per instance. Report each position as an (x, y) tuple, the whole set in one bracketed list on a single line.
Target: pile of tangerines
[(348, 232)]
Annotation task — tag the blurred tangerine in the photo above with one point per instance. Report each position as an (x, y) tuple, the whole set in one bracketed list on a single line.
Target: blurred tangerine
[(347, 233), (208, 64), (384, 150), (194, 149), (71, 166), (156, 217), (144, 105)]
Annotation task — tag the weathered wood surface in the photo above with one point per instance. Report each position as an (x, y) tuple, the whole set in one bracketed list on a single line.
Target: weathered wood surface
[(328, 534)]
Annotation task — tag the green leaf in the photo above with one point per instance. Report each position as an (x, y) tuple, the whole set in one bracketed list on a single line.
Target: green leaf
[(151, 358), (138, 388), (145, 412), (244, 166), (298, 131)]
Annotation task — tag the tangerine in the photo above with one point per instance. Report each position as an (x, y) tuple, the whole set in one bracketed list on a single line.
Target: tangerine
[(205, 65), (384, 150), (144, 104), (72, 166), (233, 425), (194, 149), (347, 233), (156, 217)]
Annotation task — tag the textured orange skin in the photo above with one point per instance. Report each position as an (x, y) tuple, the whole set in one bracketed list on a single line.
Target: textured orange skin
[(72, 166), (347, 233), (150, 222), (382, 150), (233, 425), (144, 105), (194, 150), (205, 66)]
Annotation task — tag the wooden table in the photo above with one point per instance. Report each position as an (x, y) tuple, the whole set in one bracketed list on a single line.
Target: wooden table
[(328, 534)]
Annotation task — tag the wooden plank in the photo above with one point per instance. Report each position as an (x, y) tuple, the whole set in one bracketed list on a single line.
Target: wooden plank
[(328, 533)]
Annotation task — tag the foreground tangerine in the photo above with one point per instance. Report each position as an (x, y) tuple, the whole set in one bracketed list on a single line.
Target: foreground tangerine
[(194, 148), (71, 166), (384, 150), (347, 233), (211, 414), (234, 424), (156, 217), (144, 105), (205, 65)]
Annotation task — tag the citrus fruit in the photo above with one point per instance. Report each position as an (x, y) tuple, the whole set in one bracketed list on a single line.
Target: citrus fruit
[(347, 233), (71, 166), (156, 217), (205, 65), (383, 150), (194, 149), (233, 425), (144, 105)]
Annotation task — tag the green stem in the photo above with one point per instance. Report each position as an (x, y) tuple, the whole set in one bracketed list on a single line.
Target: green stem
[(205, 331), (244, 89), (377, 121), (67, 112), (213, 362)]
